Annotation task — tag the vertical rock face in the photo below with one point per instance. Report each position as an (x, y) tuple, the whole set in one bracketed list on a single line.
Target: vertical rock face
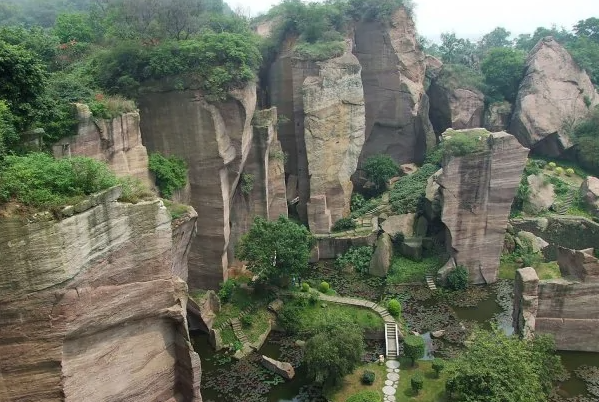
[(554, 95), (334, 135), (262, 186), (91, 309), (454, 107), (116, 142), (393, 73), (497, 116), (215, 140), (566, 308), (477, 192)]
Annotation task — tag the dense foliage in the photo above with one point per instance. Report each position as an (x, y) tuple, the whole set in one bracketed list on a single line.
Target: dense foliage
[(275, 250), (40, 181), (417, 382), (586, 138), (365, 396), (344, 224), (413, 347), (458, 278), (503, 69), (170, 172), (357, 257), (496, 368), (464, 143), (407, 194), (379, 169)]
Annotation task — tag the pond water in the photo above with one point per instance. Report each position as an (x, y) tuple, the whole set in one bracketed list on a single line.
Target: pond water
[(572, 360)]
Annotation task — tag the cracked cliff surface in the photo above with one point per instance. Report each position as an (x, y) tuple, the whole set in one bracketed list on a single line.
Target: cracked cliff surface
[(92, 308)]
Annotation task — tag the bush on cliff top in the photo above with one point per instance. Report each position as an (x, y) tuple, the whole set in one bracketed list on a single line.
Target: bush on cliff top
[(40, 181), (170, 172), (407, 194)]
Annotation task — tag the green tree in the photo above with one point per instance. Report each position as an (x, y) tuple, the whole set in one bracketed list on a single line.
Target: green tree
[(588, 28), (417, 382), (379, 169), (73, 27), (438, 365), (503, 69), (8, 133), (456, 50), (586, 139), (585, 52), (526, 42), (333, 353), (413, 347), (275, 250), (170, 172), (499, 37), (498, 368)]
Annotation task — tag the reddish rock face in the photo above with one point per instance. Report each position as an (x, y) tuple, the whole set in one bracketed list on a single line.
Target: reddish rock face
[(90, 307)]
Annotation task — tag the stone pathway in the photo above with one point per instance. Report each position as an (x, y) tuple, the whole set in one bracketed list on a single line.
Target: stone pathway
[(392, 380), (236, 324), (430, 282)]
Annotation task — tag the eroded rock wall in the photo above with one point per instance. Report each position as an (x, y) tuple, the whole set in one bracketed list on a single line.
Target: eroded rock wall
[(476, 194), (114, 141), (91, 309), (555, 94), (334, 136), (215, 140), (393, 75)]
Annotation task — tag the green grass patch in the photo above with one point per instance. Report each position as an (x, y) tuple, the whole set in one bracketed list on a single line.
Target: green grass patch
[(508, 268), (260, 322), (320, 50), (404, 270), (548, 270), (352, 383), (228, 336), (197, 295), (433, 389), (239, 301), (175, 209)]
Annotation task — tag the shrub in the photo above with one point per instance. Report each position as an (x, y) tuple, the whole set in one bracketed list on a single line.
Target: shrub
[(305, 287), (551, 165), (559, 170), (324, 287), (434, 156), (134, 191), (320, 50), (344, 224), (365, 207), (368, 377), (417, 382), (109, 107), (247, 320), (413, 347), (313, 299), (438, 365), (569, 172), (356, 257), (394, 307), (379, 169), (40, 181), (226, 290), (407, 194), (461, 144), (458, 278), (247, 183), (365, 396), (357, 201), (170, 172)]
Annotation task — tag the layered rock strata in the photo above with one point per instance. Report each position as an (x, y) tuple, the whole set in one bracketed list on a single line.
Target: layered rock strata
[(92, 308), (566, 308), (476, 193), (215, 139), (555, 94), (114, 141)]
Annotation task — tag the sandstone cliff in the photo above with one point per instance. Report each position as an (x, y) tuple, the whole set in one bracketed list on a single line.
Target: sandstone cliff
[(393, 75), (215, 140), (554, 95), (476, 193), (116, 141), (334, 135), (91, 309)]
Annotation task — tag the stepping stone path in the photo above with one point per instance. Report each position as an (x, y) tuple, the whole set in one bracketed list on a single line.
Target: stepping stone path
[(392, 380), (430, 282)]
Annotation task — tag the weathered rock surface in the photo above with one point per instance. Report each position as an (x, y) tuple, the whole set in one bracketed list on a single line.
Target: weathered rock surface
[(477, 192), (333, 134), (215, 140), (566, 308), (452, 106), (393, 75), (399, 224), (590, 194), (552, 98), (497, 116), (529, 240), (382, 256), (91, 309), (115, 141), (283, 369), (204, 310), (541, 195)]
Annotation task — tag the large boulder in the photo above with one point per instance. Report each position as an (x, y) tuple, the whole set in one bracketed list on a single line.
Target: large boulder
[(528, 240), (283, 369), (554, 95), (477, 190), (399, 224), (453, 105), (383, 254), (590, 194), (541, 195), (497, 116)]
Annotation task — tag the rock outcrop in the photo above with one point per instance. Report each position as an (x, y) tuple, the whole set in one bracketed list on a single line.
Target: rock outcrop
[(554, 95), (541, 195), (91, 309), (215, 139), (334, 136), (393, 75), (114, 141), (566, 308), (476, 191), (497, 116), (590, 194), (382, 256), (283, 369), (399, 224), (454, 106)]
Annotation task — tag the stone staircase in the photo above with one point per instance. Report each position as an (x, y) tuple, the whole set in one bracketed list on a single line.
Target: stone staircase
[(430, 282), (391, 340), (239, 334), (562, 207), (246, 311)]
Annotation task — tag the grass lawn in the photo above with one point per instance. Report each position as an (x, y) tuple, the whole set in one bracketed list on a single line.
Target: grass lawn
[(228, 336), (545, 270), (548, 270), (404, 270), (364, 318), (352, 383), (260, 319), (433, 389), (507, 269)]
